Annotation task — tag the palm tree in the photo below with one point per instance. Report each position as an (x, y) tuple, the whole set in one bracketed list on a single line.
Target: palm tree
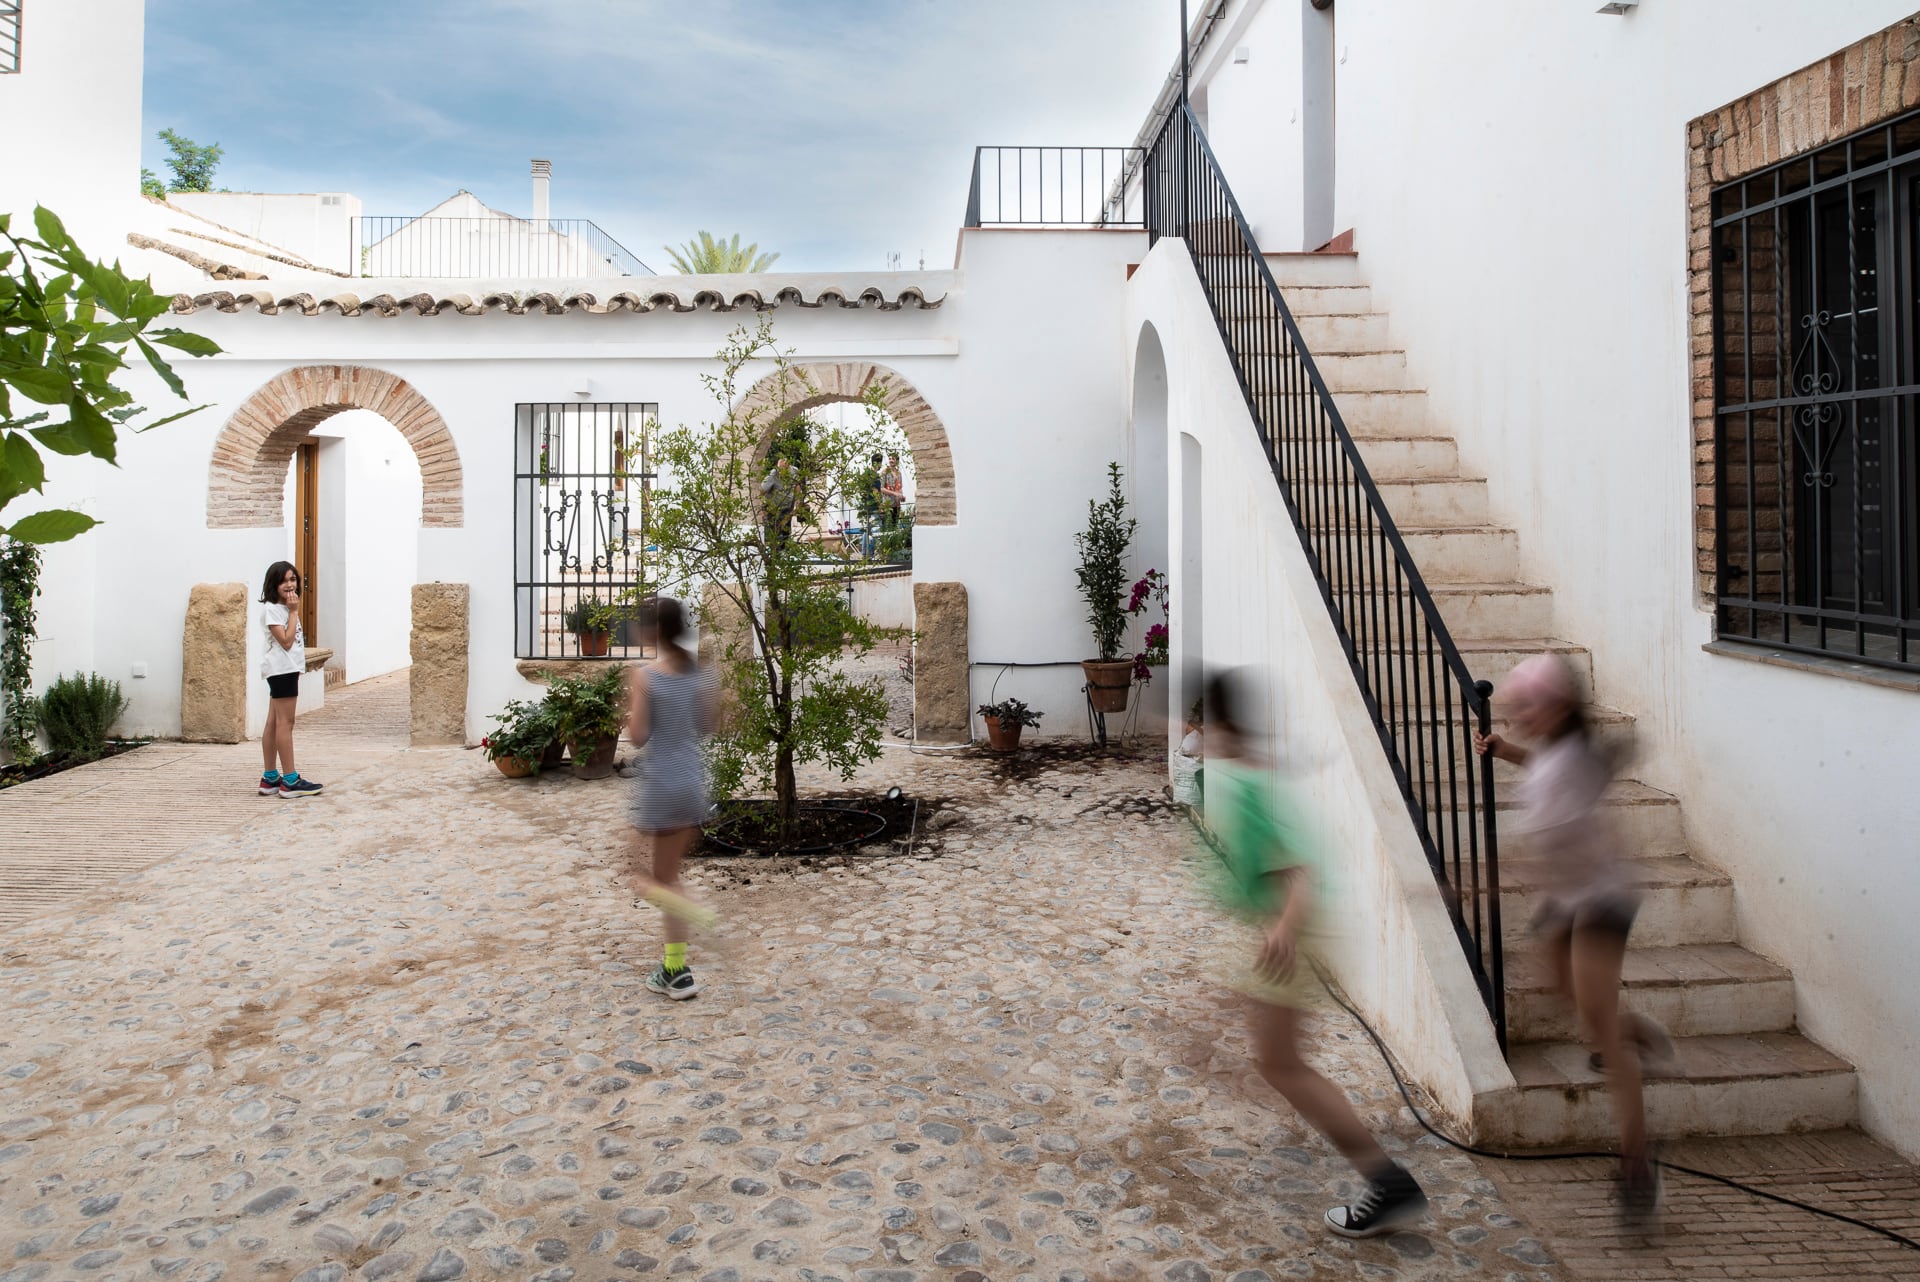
[(707, 256)]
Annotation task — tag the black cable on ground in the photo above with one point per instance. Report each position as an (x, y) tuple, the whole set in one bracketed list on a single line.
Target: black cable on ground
[(1386, 1057)]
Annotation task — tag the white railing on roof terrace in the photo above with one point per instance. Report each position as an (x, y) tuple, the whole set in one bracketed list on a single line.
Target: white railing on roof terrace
[(489, 247)]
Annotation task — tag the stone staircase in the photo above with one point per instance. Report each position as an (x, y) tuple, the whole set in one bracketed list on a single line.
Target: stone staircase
[(1744, 1067)]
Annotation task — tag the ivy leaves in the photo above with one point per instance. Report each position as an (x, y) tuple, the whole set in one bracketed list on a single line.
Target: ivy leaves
[(63, 340)]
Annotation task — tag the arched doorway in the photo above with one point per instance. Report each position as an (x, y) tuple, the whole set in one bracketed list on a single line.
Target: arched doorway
[(881, 593), (1151, 478), (268, 471)]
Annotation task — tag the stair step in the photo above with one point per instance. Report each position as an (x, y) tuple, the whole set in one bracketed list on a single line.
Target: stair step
[(1366, 332), (1400, 457), (1323, 335), (1384, 371), (1462, 553), (1695, 990), (1494, 658), (1414, 500), (1682, 900), (1313, 269), (1492, 610), (1756, 1084), (1243, 302), (1378, 413)]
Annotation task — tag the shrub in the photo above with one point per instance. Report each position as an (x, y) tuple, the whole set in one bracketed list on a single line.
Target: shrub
[(78, 711), (1102, 572), (1010, 712), (526, 731), (588, 709)]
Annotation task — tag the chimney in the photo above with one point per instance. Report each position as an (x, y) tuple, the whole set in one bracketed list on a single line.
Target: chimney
[(542, 171)]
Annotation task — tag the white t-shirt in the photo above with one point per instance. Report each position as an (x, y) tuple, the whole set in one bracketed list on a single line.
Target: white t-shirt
[(279, 660)]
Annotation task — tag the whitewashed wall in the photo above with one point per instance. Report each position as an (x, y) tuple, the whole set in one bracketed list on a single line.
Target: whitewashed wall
[(71, 138), (1525, 225), (1034, 409), (316, 226)]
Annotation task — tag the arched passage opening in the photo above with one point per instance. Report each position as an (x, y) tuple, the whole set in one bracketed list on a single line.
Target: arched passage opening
[(881, 576), (350, 463), (1152, 474)]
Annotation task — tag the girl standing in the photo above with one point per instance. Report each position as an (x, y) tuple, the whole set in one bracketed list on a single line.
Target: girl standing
[(1266, 878), (671, 712), (1591, 900), (282, 664)]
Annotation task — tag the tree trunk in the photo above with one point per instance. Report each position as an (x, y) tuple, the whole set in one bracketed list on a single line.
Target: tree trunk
[(786, 792)]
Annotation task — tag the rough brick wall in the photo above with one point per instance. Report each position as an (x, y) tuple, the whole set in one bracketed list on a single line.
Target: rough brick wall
[(246, 484), (1862, 85)]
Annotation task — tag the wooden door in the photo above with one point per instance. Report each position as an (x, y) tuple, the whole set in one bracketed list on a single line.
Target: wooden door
[(306, 539)]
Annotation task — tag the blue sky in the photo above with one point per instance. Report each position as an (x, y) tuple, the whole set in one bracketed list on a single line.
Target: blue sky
[(834, 131)]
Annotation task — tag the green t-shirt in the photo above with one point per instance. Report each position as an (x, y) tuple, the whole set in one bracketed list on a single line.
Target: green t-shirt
[(1261, 831)]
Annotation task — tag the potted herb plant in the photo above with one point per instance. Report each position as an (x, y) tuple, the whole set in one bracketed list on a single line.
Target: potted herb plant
[(1005, 720), (588, 714), (527, 740), (1103, 580), (591, 620)]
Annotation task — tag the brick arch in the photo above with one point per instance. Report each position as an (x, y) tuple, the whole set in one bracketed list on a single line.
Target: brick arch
[(804, 387), (246, 485)]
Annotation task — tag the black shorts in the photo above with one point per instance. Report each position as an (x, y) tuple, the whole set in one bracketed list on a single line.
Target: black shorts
[(1608, 914), (284, 686)]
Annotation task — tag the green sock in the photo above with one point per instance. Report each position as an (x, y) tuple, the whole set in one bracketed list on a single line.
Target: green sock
[(676, 958)]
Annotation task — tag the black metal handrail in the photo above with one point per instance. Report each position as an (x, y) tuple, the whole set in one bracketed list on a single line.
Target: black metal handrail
[(1425, 704), (399, 245), (1053, 187)]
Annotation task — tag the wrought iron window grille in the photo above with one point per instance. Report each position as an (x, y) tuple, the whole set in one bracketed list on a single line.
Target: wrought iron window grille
[(1816, 473), (582, 565), (10, 36)]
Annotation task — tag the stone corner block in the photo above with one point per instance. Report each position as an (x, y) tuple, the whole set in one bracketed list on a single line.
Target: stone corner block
[(437, 682), (941, 688), (213, 664)]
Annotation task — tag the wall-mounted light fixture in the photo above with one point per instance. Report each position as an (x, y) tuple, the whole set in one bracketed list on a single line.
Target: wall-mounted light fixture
[(1618, 8)]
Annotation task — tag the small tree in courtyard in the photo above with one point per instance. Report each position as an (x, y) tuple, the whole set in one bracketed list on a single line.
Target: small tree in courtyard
[(728, 519)]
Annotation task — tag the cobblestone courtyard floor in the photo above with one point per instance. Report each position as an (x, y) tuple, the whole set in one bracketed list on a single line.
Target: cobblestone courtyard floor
[(400, 1032)]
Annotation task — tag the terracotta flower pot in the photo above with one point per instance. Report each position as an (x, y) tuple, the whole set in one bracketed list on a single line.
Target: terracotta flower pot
[(597, 761), (1003, 736), (513, 767), (594, 645), (1108, 683), (555, 754)]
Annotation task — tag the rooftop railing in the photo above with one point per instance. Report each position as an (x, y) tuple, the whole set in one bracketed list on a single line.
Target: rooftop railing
[(497, 246), (1054, 187)]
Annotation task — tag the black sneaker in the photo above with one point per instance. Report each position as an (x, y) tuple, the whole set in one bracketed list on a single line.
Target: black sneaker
[(677, 984), (1642, 1190), (1387, 1204), (302, 787)]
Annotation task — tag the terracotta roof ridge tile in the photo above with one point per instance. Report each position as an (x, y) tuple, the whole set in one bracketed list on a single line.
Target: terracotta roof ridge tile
[(534, 302)]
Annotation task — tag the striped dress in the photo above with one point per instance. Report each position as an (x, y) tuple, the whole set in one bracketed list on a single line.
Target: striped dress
[(670, 778)]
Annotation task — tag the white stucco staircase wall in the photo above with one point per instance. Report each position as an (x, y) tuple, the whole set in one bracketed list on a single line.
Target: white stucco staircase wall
[(1397, 955)]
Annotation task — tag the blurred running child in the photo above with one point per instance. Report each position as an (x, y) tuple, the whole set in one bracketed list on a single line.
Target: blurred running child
[(1591, 899), (1266, 877), (671, 711)]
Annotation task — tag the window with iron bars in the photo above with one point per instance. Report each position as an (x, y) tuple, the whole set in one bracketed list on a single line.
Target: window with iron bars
[(1816, 267), (10, 36), (581, 485)]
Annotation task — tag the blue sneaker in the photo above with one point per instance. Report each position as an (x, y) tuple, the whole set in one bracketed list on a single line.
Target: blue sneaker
[(301, 787)]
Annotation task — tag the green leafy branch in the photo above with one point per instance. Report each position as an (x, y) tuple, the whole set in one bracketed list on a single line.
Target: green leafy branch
[(64, 340)]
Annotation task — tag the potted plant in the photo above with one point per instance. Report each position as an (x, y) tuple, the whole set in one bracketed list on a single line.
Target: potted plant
[(1005, 720), (588, 713), (527, 741), (591, 620), (1103, 578)]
